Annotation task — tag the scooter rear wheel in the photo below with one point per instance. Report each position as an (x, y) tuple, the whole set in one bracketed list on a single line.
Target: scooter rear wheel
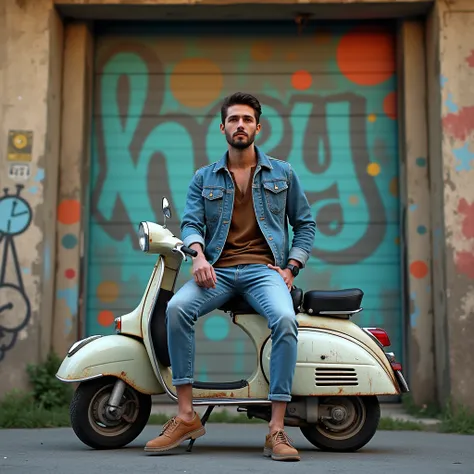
[(95, 427), (352, 426)]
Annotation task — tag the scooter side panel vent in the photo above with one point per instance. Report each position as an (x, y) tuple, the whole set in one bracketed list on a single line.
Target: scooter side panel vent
[(336, 376)]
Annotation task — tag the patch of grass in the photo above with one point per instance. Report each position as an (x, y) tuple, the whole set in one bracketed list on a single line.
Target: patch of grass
[(453, 418), (457, 419), (390, 424), (428, 410), (21, 410)]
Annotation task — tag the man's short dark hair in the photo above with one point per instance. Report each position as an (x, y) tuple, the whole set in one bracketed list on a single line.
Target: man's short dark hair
[(240, 98)]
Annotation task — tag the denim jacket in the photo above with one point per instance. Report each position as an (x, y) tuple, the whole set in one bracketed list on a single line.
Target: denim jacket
[(277, 196)]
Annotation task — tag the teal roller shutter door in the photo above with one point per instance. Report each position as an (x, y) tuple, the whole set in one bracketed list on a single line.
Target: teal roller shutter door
[(329, 108)]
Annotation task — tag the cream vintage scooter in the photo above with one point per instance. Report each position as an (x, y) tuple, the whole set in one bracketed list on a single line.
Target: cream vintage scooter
[(340, 370)]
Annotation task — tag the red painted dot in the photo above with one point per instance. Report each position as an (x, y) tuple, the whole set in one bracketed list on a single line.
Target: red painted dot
[(419, 269), (105, 318), (301, 80), (70, 273)]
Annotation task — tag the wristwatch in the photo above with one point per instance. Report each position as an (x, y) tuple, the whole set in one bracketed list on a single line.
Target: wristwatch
[(294, 269)]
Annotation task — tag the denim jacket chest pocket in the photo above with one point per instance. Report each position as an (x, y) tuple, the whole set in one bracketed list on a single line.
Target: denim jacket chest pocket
[(213, 202), (275, 192)]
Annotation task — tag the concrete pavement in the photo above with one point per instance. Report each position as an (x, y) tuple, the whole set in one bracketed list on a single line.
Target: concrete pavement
[(233, 449)]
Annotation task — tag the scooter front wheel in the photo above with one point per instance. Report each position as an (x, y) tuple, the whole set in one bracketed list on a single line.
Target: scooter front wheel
[(349, 424), (93, 422)]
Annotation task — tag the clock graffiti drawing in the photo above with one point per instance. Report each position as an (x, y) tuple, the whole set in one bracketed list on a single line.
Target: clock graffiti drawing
[(15, 309)]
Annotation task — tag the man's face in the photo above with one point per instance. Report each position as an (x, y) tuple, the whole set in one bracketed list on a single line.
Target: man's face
[(240, 126)]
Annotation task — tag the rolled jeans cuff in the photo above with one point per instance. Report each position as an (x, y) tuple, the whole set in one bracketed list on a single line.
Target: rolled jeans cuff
[(279, 397), (185, 381)]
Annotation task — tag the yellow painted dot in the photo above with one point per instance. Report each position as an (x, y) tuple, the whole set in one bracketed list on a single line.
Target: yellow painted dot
[(354, 200), (373, 169), (107, 291), (196, 82), (397, 240), (372, 118)]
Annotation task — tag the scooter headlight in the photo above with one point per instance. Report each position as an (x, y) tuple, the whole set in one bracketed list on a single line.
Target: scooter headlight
[(143, 237)]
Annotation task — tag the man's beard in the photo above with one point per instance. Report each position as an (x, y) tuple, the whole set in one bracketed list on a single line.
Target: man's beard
[(238, 143)]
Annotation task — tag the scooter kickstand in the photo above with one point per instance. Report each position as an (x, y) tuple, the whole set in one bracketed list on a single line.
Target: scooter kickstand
[(203, 421)]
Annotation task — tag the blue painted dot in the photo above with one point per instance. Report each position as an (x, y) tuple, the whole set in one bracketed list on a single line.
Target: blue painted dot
[(421, 162), (216, 328), (69, 241), (421, 229)]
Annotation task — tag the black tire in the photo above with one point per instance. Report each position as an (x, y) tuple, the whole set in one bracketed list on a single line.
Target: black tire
[(327, 437), (87, 415)]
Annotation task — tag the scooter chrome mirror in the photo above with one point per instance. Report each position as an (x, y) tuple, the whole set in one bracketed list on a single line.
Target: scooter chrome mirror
[(166, 210)]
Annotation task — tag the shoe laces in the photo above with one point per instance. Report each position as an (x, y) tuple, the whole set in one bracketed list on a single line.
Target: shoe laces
[(170, 426), (280, 437)]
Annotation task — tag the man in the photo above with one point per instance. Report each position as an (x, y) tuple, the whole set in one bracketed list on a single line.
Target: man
[(236, 219)]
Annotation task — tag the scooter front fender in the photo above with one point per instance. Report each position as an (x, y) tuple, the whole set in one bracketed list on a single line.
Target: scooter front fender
[(115, 355)]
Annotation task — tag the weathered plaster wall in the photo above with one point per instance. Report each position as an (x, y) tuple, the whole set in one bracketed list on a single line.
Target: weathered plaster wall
[(435, 167), (29, 32), (456, 20), (416, 215), (75, 133)]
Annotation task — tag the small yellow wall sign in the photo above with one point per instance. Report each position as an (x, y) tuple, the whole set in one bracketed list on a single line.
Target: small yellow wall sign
[(20, 145)]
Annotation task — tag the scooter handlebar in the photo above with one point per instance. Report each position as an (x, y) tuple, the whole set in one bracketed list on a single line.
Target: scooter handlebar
[(188, 251)]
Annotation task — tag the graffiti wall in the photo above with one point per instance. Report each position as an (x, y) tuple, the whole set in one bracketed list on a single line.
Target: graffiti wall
[(329, 108), (457, 95), (15, 308)]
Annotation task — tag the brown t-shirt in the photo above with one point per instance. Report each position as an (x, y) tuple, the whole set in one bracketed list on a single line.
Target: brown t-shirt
[(245, 242)]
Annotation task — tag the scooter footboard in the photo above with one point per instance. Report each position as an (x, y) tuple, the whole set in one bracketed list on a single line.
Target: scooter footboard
[(119, 356), (329, 364)]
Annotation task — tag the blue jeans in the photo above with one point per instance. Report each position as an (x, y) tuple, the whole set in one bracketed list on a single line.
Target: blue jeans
[(268, 294)]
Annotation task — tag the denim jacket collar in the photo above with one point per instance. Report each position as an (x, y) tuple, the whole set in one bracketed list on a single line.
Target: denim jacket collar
[(262, 160)]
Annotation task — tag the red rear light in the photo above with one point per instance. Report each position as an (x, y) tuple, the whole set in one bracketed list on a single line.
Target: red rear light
[(118, 325), (381, 336), (396, 366)]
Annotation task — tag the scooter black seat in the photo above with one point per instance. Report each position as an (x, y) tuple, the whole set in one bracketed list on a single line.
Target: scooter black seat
[(336, 302), (239, 305)]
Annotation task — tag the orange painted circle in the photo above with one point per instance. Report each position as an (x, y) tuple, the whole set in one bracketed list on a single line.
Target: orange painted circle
[(372, 118), (107, 291), (301, 80), (366, 56), (196, 82), (354, 200), (69, 211), (261, 51), (390, 105), (394, 187), (105, 318), (418, 269)]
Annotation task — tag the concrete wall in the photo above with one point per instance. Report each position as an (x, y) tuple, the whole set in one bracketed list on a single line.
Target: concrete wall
[(73, 170), (416, 222), (30, 60), (42, 298), (454, 245)]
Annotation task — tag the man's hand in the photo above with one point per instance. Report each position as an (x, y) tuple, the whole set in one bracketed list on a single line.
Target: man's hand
[(285, 274), (203, 272)]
